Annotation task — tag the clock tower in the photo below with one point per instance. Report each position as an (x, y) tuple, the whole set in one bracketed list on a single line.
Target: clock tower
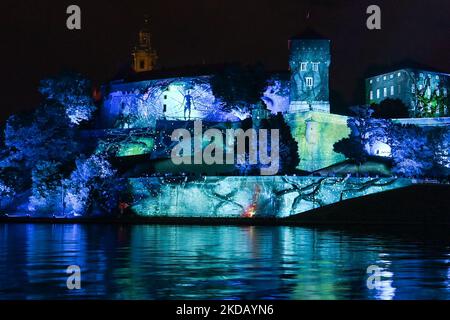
[(144, 57)]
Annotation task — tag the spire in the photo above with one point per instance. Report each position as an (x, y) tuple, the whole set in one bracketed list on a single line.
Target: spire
[(146, 25), (144, 57)]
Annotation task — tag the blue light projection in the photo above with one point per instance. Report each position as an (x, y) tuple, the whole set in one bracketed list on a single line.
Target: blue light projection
[(141, 104), (277, 196)]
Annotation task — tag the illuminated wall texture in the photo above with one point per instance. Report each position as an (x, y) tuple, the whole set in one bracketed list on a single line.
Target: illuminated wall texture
[(140, 104), (141, 145), (425, 93), (255, 196), (309, 63), (316, 133), (122, 142)]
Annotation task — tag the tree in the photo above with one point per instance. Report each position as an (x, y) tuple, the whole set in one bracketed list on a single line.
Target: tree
[(442, 148), (6, 191), (439, 144), (411, 150), (390, 109), (288, 147), (239, 87), (93, 182), (43, 136), (351, 148), (73, 92), (46, 186), (42, 147), (288, 157), (365, 131)]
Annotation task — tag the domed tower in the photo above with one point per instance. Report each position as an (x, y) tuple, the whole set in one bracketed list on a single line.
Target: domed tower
[(144, 57), (309, 62)]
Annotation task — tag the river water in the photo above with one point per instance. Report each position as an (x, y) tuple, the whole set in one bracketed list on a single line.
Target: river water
[(222, 262)]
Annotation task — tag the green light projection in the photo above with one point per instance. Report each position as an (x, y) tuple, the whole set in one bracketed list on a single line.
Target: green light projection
[(122, 143), (316, 133), (141, 145)]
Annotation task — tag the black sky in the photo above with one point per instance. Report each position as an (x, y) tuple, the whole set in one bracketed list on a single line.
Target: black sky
[(37, 44)]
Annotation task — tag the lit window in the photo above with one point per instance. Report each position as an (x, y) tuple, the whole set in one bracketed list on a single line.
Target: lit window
[(309, 81), (392, 90), (384, 92), (384, 78), (371, 95), (303, 66), (378, 93), (399, 74), (391, 76), (370, 81), (413, 89), (378, 79), (315, 66)]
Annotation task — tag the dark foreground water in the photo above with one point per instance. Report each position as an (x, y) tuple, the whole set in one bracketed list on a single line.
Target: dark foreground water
[(224, 262)]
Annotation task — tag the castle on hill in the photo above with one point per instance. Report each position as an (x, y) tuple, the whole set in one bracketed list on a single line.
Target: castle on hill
[(149, 97)]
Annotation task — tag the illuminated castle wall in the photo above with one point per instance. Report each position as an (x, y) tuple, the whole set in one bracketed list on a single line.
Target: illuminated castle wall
[(309, 62), (316, 133), (312, 125), (303, 99), (138, 104), (258, 196), (425, 93)]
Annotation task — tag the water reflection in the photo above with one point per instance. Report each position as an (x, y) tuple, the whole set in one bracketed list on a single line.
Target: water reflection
[(203, 262)]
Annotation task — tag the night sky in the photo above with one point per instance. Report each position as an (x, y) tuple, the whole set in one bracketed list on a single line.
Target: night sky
[(37, 44)]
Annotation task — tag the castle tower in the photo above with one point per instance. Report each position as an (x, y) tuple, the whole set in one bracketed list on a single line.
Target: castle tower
[(259, 113), (144, 57), (309, 62)]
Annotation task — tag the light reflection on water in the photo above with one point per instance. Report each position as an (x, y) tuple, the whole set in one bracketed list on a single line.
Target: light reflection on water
[(217, 262)]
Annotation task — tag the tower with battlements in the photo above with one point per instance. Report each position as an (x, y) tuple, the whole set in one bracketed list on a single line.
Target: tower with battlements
[(309, 62)]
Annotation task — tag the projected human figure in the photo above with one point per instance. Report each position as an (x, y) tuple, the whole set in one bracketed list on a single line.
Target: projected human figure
[(187, 104)]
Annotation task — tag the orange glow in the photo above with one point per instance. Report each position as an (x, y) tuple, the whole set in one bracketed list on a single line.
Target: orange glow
[(250, 211), (96, 94)]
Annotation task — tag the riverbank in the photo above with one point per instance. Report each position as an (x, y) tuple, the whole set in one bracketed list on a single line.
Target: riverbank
[(413, 205), (421, 204)]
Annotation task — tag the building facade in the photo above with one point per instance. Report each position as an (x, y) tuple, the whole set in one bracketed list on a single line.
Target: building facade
[(425, 93), (309, 62), (139, 104), (302, 95), (144, 56)]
